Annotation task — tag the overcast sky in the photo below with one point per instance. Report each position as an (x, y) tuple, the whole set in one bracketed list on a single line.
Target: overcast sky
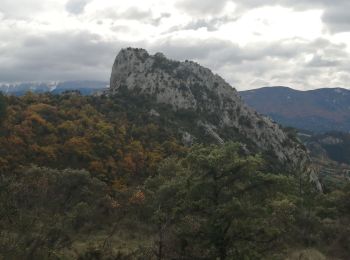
[(303, 44)]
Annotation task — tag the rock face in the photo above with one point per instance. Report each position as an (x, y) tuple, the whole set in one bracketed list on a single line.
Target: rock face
[(189, 86)]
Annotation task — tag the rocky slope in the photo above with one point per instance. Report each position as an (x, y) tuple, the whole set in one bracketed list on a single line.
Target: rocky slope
[(330, 153), (319, 110), (187, 86)]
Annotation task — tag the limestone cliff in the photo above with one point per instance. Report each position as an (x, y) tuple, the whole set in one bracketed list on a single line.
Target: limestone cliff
[(189, 86)]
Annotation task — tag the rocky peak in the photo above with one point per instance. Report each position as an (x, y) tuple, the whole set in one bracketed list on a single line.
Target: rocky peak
[(184, 85), (189, 86)]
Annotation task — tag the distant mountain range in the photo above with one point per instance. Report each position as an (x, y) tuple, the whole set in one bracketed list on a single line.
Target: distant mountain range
[(319, 110), (55, 87)]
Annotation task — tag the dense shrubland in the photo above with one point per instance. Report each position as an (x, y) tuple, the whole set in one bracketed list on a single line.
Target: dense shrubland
[(101, 178)]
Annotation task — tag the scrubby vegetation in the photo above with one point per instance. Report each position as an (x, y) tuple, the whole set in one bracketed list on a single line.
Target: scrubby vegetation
[(102, 178)]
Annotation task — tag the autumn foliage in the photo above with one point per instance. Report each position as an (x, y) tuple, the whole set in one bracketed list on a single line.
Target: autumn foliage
[(73, 131)]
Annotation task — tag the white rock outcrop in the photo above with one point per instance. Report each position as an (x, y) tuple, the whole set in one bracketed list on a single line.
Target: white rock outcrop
[(189, 86)]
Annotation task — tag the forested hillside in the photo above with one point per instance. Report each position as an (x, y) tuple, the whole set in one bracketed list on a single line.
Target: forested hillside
[(110, 178), (97, 134)]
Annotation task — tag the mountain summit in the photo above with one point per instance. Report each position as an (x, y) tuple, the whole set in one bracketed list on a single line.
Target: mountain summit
[(189, 87)]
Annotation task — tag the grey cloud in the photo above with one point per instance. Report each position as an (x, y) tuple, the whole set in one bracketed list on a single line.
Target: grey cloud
[(194, 25), (76, 6), (63, 56), (296, 4), (277, 63), (119, 28), (230, 53), (221, 51), (133, 13), (211, 24), (337, 18), (202, 7), (319, 61), (201, 23), (157, 21), (21, 9), (193, 49)]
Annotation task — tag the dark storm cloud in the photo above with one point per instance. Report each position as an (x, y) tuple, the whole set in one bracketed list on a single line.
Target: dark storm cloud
[(66, 55)]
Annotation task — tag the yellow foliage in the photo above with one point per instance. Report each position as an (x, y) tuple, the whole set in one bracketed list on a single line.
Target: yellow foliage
[(41, 107), (79, 146), (119, 185)]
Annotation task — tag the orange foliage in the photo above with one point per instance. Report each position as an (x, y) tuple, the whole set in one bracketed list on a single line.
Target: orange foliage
[(137, 197)]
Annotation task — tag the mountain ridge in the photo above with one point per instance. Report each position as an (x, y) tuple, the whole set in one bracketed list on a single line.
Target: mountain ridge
[(319, 110), (86, 87)]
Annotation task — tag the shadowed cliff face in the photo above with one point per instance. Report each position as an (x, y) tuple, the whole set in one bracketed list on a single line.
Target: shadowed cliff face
[(191, 87)]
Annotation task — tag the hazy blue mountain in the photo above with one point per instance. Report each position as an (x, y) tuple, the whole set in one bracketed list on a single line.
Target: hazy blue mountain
[(319, 110), (56, 87)]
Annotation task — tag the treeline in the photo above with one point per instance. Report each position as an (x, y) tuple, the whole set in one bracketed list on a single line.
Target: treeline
[(103, 178)]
